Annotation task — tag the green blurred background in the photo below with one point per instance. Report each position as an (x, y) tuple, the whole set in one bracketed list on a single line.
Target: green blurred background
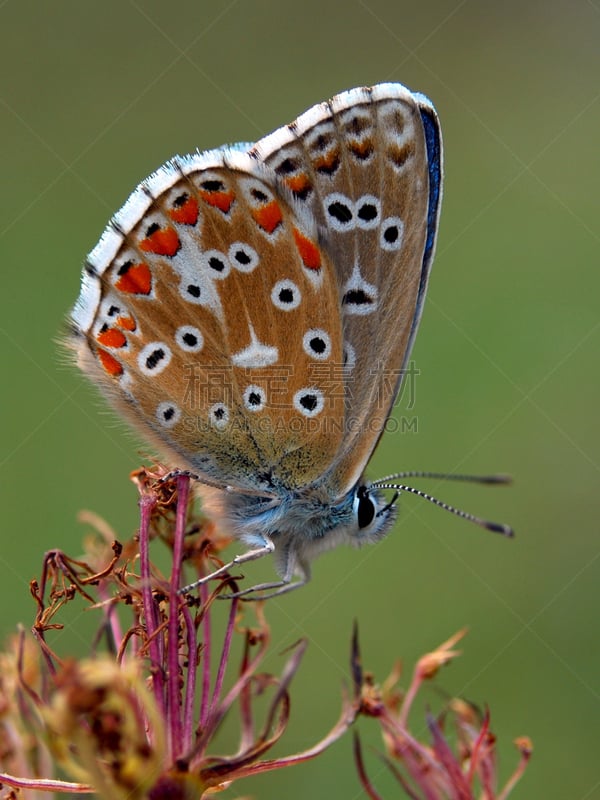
[(94, 96)]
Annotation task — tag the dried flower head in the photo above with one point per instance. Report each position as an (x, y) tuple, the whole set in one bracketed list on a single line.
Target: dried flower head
[(432, 771), (137, 717)]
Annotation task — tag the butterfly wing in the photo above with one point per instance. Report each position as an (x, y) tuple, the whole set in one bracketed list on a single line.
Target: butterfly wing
[(237, 298), (204, 310), (367, 165)]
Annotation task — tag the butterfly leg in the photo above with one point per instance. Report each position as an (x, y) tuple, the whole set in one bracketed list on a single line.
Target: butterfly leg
[(282, 586), (250, 555)]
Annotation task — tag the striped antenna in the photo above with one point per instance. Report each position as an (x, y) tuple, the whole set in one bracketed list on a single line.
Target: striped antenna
[(495, 527)]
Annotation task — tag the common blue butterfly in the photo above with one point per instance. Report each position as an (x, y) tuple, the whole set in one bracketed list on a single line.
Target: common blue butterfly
[(252, 310)]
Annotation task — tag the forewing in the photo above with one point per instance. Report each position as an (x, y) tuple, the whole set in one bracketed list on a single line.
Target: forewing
[(367, 166), (204, 312)]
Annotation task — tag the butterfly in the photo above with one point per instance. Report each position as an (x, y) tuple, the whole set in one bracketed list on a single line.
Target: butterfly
[(252, 310)]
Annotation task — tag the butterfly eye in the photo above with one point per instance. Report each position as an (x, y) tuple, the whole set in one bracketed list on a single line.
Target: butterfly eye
[(364, 507)]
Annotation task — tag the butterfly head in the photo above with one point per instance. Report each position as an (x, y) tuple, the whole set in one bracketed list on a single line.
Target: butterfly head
[(373, 514)]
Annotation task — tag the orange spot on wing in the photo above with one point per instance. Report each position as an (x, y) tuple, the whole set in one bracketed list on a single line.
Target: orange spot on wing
[(136, 280), (187, 213), (309, 252), (298, 183), (112, 337), (221, 200), (127, 323), (268, 217), (361, 149), (329, 162), (163, 242), (110, 364)]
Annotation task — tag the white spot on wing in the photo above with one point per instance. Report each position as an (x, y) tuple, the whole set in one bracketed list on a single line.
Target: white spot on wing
[(168, 414), (317, 344), (339, 211), (285, 288), (190, 264), (254, 398), (368, 212), (154, 358), (392, 231), (243, 257), (189, 338), (309, 401), (216, 264), (360, 297), (218, 414), (256, 354)]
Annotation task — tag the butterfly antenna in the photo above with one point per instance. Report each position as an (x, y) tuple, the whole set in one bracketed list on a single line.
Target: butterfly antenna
[(446, 476), (495, 527)]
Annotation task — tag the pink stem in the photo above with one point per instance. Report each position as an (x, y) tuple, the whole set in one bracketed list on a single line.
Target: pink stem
[(476, 748), (207, 730), (147, 503), (112, 618), (224, 655), (206, 656), (362, 773), (516, 776), (190, 687), (46, 785), (346, 719), (174, 721), (408, 700)]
